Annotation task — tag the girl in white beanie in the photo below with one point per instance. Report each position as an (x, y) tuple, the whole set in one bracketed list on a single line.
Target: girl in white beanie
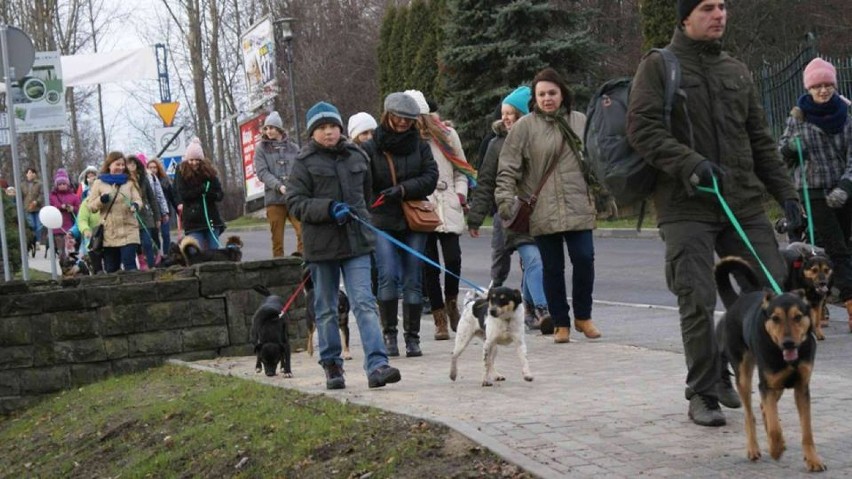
[(361, 126)]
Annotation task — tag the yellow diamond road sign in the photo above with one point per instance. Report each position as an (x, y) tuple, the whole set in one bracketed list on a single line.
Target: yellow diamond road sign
[(167, 112)]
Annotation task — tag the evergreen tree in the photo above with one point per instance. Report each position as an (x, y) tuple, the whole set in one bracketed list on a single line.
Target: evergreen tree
[(385, 50), (659, 18), (417, 33), (424, 75), (494, 46)]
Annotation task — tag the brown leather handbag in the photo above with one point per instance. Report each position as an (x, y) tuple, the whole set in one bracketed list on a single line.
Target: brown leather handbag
[(420, 215)]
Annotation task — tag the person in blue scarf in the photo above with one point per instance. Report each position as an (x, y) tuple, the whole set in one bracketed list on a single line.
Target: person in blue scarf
[(116, 197), (820, 130)]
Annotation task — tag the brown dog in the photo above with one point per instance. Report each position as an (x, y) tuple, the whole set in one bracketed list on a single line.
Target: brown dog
[(808, 268), (773, 334)]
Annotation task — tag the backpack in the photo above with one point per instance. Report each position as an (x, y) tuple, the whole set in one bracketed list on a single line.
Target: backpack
[(623, 172)]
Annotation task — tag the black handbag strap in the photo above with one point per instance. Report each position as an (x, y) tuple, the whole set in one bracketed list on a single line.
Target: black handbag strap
[(109, 208), (549, 171)]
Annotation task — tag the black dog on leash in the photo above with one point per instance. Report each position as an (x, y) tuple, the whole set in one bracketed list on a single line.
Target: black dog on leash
[(269, 335)]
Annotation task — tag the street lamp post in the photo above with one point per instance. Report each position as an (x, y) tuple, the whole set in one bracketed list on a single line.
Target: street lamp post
[(287, 36)]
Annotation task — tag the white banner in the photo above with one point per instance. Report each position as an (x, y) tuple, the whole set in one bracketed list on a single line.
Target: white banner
[(39, 97), (110, 67), (258, 46)]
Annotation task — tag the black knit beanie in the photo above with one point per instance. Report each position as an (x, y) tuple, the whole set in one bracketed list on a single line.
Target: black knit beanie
[(684, 8)]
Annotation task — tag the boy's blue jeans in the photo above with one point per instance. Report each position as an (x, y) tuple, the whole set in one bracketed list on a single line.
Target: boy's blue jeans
[(356, 279)]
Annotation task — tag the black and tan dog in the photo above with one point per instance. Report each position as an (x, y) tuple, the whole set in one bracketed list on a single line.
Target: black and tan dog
[(343, 309), (269, 335), (72, 266), (188, 252), (774, 334), (809, 268)]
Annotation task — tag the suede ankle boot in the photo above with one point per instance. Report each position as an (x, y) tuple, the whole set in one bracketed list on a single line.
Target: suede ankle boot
[(587, 327), (452, 307), (848, 304), (441, 332)]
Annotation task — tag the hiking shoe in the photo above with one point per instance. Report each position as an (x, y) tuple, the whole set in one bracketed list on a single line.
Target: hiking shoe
[(705, 411), (529, 317), (382, 375), (728, 396), (334, 376)]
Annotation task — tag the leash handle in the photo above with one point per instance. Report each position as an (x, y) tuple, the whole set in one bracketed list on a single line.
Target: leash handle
[(293, 296), (806, 197), (730, 214), (417, 254)]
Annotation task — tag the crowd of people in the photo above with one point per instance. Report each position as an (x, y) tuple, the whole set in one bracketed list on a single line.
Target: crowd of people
[(344, 198)]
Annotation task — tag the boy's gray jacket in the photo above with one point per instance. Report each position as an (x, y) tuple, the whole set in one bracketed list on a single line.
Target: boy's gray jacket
[(729, 129), (319, 177), (273, 161)]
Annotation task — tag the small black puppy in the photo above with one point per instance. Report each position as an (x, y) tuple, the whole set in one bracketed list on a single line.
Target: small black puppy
[(269, 335), (343, 308)]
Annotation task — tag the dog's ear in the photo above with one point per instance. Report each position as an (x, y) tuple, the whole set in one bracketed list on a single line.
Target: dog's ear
[(767, 297), (517, 297)]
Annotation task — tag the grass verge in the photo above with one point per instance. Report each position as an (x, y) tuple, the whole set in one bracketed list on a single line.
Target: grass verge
[(177, 422)]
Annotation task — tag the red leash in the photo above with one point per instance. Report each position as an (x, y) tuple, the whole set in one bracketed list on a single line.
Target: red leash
[(293, 296)]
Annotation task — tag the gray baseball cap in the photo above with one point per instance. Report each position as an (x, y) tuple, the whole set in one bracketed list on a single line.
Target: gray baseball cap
[(402, 105)]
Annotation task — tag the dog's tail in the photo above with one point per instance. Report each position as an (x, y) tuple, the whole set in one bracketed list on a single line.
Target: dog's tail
[(189, 247), (746, 278)]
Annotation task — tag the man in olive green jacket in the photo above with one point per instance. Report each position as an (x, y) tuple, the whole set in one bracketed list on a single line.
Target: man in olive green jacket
[(724, 136)]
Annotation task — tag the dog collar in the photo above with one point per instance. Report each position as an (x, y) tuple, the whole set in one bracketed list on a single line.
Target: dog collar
[(797, 264)]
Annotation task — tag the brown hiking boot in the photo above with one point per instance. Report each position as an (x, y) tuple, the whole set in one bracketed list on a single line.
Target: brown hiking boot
[(562, 334), (587, 327), (451, 306), (441, 332)]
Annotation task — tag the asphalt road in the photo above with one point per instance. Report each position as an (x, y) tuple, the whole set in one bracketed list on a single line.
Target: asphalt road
[(627, 271)]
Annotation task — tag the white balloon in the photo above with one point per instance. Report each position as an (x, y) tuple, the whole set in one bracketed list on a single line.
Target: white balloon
[(50, 217)]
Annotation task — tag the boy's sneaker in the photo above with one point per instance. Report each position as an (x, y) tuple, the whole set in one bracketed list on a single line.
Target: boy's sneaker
[(382, 375), (705, 411), (334, 376)]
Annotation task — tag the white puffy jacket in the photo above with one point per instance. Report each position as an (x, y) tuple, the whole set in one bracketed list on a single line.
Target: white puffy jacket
[(451, 183)]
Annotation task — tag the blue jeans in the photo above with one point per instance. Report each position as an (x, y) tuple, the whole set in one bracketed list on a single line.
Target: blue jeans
[(389, 259), (356, 279), (117, 256), (533, 271), (166, 234), (147, 237), (581, 250), (205, 238), (35, 224)]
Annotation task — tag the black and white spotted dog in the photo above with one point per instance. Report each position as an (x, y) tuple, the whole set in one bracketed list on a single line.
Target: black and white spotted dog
[(497, 318)]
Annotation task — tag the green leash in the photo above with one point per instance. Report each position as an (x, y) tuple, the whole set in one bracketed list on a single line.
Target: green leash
[(805, 195), (206, 216), (727, 209)]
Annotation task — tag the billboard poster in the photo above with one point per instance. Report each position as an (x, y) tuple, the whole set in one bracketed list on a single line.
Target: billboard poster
[(258, 48), (39, 97), (249, 137)]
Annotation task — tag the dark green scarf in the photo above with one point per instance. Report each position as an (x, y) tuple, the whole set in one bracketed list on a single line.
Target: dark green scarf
[(560, 117)]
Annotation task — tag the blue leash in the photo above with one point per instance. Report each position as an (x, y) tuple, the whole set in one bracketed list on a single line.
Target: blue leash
[(416, 253)]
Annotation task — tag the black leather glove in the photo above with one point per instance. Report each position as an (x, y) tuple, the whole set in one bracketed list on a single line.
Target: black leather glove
[(394, 191), (793, 213), (790, 151), (105, 198), (339, 212), (704, 172)]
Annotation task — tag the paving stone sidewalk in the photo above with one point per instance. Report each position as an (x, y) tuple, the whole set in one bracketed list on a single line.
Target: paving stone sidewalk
[(595, 408)]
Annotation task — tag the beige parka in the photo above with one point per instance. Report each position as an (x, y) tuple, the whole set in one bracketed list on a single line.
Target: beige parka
[(566, 202), (120, 226)]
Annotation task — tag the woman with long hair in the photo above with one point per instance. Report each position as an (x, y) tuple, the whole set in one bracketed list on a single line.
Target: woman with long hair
[(116, 197), (565, 211), (397, 151), (198, 190), (820, 122), (450, 199), (158, 173), (149, 226)]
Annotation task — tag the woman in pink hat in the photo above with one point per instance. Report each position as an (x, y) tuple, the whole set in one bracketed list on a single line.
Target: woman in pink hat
[(819, 129), (198, 192)]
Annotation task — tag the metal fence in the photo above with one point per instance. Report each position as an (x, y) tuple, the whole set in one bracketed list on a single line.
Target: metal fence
[(780, 85)]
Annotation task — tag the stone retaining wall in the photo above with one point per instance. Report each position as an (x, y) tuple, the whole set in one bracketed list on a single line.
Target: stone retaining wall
[(55, 336)]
